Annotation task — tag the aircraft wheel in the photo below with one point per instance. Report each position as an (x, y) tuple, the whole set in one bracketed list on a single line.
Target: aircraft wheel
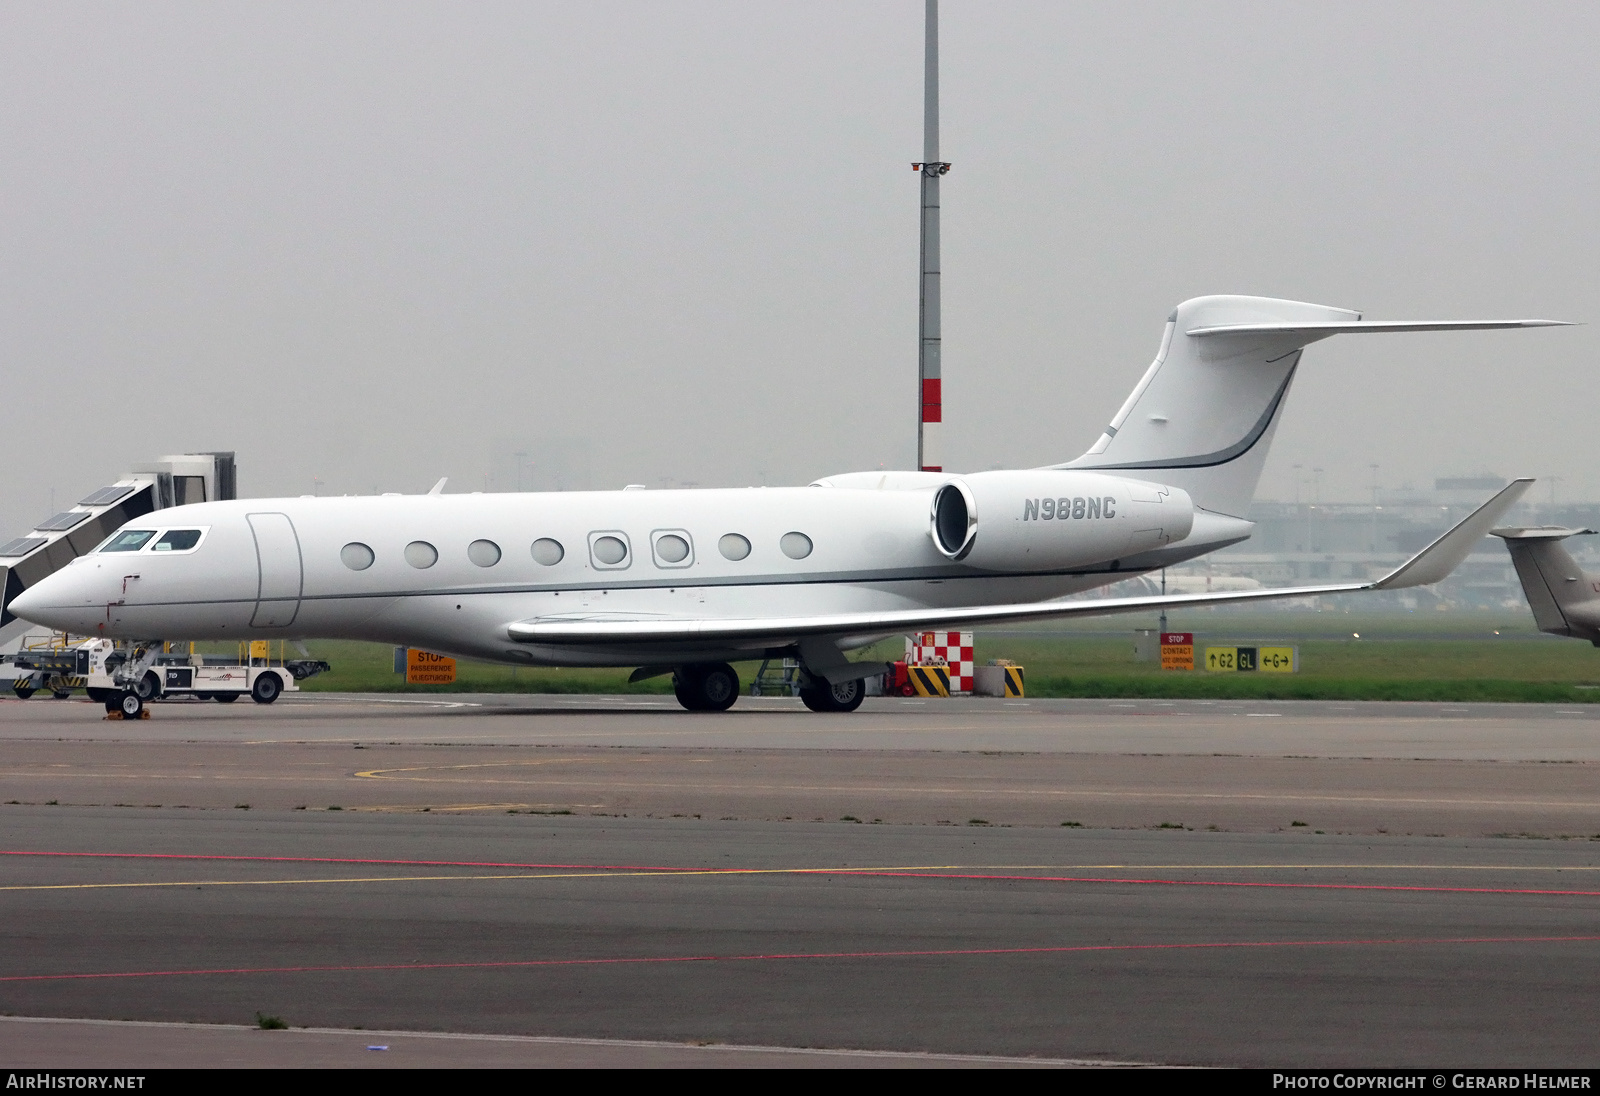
[(225, 698), (708, 688), (23, 693), (683, 689), (100, 696), (266, 688), (846, 696), (128, 702), (149, 686)]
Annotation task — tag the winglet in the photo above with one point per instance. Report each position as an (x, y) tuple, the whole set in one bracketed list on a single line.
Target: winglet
[(1445, 554), (438, 488)]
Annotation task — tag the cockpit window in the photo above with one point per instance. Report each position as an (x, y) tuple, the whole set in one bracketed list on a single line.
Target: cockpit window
[(129, 540), (177, 540)]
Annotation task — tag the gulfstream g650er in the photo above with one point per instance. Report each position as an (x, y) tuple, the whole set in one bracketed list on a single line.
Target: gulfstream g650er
[(684, 582)]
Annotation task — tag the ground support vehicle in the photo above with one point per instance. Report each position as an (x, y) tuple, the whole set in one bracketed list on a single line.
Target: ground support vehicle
[(55, 662), (176, 669)]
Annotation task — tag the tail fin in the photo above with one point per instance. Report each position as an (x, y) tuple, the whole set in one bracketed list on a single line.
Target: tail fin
[(1203, 416), (1565, 601)]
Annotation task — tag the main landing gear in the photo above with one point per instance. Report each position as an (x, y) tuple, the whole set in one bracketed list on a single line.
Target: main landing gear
[(714, 686), (846, 696), (708, 687)]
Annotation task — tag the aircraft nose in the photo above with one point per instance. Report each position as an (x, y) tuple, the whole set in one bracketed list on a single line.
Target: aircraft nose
[(24, 602), (45, 602)]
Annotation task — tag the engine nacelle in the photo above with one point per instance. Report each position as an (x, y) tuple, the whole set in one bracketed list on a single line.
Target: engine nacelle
[(1046, 520)]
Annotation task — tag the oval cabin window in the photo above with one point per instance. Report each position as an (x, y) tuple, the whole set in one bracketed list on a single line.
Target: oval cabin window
[(547, 551), (795, 545), (733, 546), (610, 550), (485, 553), (356, 556), (420, 554), (671, 548)]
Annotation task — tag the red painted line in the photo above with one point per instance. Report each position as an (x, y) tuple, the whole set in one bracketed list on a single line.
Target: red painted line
[(780, 956), (977, 876)]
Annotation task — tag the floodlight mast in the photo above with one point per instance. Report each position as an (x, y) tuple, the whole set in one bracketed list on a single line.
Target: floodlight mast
[(930, 403)]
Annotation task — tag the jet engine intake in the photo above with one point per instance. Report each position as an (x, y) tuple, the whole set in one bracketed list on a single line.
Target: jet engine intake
[(955, 520), (1049, 520)]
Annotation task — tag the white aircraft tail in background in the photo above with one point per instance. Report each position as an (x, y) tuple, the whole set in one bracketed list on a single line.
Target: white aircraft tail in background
[(1565, 598)]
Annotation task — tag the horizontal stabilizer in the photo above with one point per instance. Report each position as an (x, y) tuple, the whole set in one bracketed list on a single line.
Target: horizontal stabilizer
[(1540, 532), (1322, 330), (1429, 565)]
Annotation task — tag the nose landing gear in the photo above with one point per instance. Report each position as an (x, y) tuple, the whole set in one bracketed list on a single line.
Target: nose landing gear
[(126, 704)]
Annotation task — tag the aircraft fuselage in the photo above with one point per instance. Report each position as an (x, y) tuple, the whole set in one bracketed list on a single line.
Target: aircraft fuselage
[(450, 572)]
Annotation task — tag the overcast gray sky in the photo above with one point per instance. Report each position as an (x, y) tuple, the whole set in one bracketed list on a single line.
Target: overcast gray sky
[(374, 244)]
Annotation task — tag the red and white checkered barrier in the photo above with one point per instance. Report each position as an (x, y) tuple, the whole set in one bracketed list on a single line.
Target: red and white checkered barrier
[(954, 649)]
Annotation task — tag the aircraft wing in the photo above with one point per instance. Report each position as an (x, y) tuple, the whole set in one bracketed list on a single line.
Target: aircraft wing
[(1427, 566)]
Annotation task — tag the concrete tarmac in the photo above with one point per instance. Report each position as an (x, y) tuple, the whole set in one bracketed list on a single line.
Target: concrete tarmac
[(28, 1043), (1441, 770), (454, 893)]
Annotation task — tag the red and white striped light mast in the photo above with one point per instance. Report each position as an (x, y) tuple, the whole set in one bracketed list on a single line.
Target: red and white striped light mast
[(930, 404)]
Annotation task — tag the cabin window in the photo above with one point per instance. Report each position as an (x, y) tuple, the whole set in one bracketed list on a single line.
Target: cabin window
[(485, 553), (673, 549), (421, 555), (608, 549), (129, 540), (177, 540), (356, 556), (795, 545), (548, 552), (733, 546)]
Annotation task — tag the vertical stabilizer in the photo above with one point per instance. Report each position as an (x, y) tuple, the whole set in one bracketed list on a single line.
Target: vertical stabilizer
[(1565, 600), (1203, 415)]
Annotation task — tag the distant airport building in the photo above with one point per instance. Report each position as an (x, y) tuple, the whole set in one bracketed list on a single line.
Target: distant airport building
[(1304, 544)]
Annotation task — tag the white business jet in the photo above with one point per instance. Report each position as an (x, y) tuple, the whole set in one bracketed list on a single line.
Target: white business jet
[(685, 582)]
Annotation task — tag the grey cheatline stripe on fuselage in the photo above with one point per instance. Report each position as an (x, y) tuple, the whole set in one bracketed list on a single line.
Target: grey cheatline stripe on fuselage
[(1207, 460), (651, 584)]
